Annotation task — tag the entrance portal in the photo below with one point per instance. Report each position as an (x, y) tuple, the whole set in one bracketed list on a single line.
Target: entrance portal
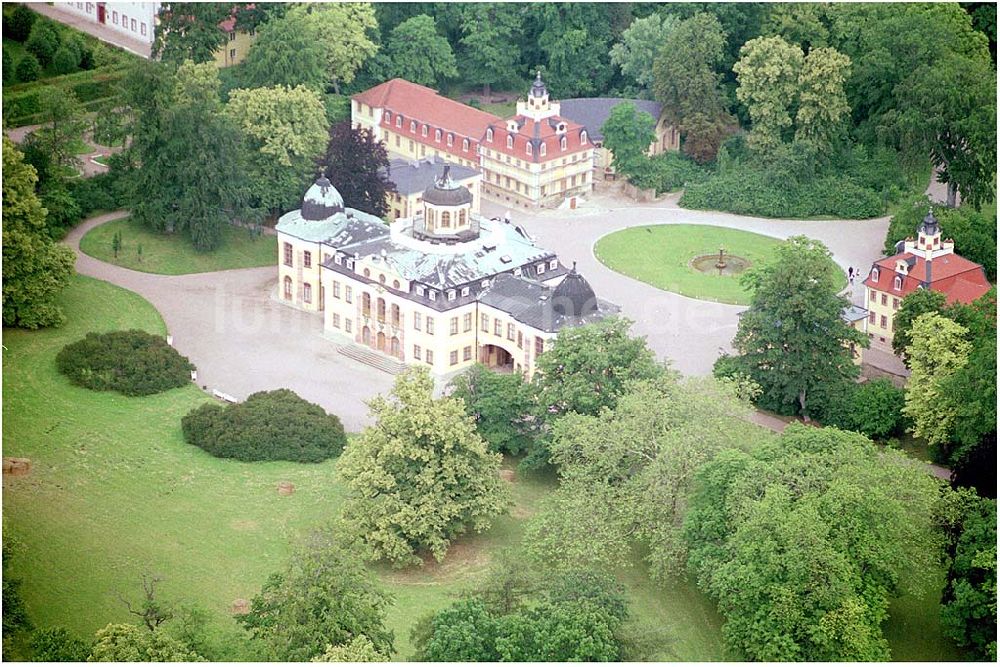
[(380, 342), (496, 358)]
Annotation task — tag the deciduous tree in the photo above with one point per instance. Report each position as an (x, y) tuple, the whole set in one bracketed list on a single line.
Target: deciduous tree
[(501, 405), (628, 134), (190, 31), (914, 304), (768, 75), (488, 32), (358, 649), (35, 270), (415, 51), (640, 45), (127, 643), (420, 476), (821, 99), (357, 164)]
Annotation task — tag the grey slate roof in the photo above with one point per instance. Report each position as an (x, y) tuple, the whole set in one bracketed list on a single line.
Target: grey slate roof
[(413, 176), (533, 303), (592, 112)]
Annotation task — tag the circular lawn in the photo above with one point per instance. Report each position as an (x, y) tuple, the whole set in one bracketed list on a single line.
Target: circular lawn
[(661, 256)]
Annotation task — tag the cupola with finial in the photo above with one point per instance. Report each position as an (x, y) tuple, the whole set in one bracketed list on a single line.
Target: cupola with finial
[(447, 208), (928, 241), (321, 200), (538, 105)]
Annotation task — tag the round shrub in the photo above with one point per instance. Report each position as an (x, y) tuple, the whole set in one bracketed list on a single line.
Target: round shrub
[(28, 68), (134, 363), (65, 60), (58, 645), (269, 426), (9, 75), (19, 26), (43, 41)]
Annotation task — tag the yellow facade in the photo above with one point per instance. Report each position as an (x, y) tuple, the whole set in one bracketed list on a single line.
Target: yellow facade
[(528, 184), (236, 48), (406, 206), (882, 307)]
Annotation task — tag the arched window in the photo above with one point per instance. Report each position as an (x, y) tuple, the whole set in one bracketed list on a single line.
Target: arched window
[(562, 143), (437, 135), (583, 136), (527, 148), (461, 217), (388, 116), (413, 126), (381, 278), (395, 284), (399, 121), (367, 273), (380, 309), (465, 144), (541, 150), (897, 283), (288, 288), (875, 274), (489, 134), (510, 141), (423, 130), (394, 312), (430, 217), (445, 219), (366, 304), (451, 138)]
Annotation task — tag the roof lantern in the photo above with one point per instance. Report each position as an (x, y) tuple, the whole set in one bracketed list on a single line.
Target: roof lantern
[(574, 297), (321, 200), (446, 192)]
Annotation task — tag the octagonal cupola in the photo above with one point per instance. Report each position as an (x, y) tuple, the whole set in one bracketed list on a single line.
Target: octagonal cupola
[(447, 207), (321, 200), (538, 105), (574, 297)]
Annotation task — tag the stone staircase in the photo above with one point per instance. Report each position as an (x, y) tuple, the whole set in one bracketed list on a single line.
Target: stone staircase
[(370, 357)]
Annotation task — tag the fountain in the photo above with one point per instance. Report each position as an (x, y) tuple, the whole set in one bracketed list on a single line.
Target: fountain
[(721, 263)]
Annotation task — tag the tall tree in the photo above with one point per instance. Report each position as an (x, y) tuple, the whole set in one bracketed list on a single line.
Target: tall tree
[(357, 164), (127, 643), (415, 51), (802, 23), (686, 83), (63, 123), (35, 270), (344, 31), (190, 31), (822, 102), (575, 40), (792, 340), (192, 166), (358, 649), (488, 32), (938, 349), (913, 306), (285, 132), (768, 76), (402, 509), (640, 45), (501, 405), (628, 134), (804, 541), (323, 596), (288, 52)]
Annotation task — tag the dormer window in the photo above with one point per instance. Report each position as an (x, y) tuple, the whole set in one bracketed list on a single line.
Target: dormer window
[(541, 267), (561, 127), (583, 136), (465, 291), (451, 295), (423, 130), (541, 150), (465, 145), (337, 259), (451, 139), (562, 143), (413, 126), (875, 274), (388, 116), (489, 134), (553, 264), (399, 121), (510, 141), (437, 135), (897, 283), (432, 295), (420, 290), (485, 283), (527, 148)]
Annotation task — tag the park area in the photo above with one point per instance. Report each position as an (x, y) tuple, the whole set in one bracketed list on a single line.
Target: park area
[(114, 492), (142, 249)]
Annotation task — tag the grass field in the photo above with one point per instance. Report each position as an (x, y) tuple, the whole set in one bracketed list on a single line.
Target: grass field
[(659, 255), (174, 254), (114, 492)]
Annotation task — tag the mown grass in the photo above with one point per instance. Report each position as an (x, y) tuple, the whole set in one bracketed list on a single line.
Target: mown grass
[(115, 492), (173, 254), (660, 255)]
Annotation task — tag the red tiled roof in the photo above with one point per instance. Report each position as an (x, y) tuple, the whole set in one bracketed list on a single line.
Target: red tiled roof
[(229, 24), (959, 279), (547, 135), (426, 106)]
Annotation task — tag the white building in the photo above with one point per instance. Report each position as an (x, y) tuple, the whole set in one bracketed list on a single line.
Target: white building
[(135, 20)]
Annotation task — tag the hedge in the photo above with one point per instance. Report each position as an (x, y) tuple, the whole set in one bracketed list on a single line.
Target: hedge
[(667, 172), (269, 426), (21, 102), (134, 363)]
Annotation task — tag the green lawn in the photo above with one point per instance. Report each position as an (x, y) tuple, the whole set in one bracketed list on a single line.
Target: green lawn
[(174, 254), (659, 255)]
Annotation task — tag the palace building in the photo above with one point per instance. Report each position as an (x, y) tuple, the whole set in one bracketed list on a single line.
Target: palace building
[(444, 287), (927, 262)]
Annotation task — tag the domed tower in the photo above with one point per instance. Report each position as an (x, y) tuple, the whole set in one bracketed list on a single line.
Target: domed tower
[(929, 232), (574, 297), (447, 208), (321, 201), (538, 105)]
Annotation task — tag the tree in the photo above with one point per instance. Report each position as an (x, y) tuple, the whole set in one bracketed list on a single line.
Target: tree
[(22, 20), (416, 52), (9, 75), (28, 68), (323, 596), (58, 645), (43, 41), (34, 269), (686, 83), (287, 52), (284, 131), (182, 142), (358, 649), (768, 75), (969, 601), (488, 32), (63, 123), (640, 46), (914, 305), (628, 134), (65, 60), (190, 31), (972, 390), (575, 64), (127, 643), (501, 405), (402, 510), (803, 542), (626, 474), (948, 109), (799, 23), (792, 340), (821, 98), (152, 611), (342, 29), (938, 349), (357, 164)]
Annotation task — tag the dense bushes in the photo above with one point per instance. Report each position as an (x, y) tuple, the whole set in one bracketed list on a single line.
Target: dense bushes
[(268, 426), (134, 363), (667, 172), (874, 409), (28, 69), (17, 25), (974, 232)]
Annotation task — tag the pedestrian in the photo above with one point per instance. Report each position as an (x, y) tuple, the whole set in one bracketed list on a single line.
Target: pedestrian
[(850, 274)]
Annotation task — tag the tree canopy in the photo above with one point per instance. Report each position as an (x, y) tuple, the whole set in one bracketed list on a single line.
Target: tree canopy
[(638, 49), (628, 134), (190, 31), (357, 164), (488, 32), (415, 51), (128, 643)]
